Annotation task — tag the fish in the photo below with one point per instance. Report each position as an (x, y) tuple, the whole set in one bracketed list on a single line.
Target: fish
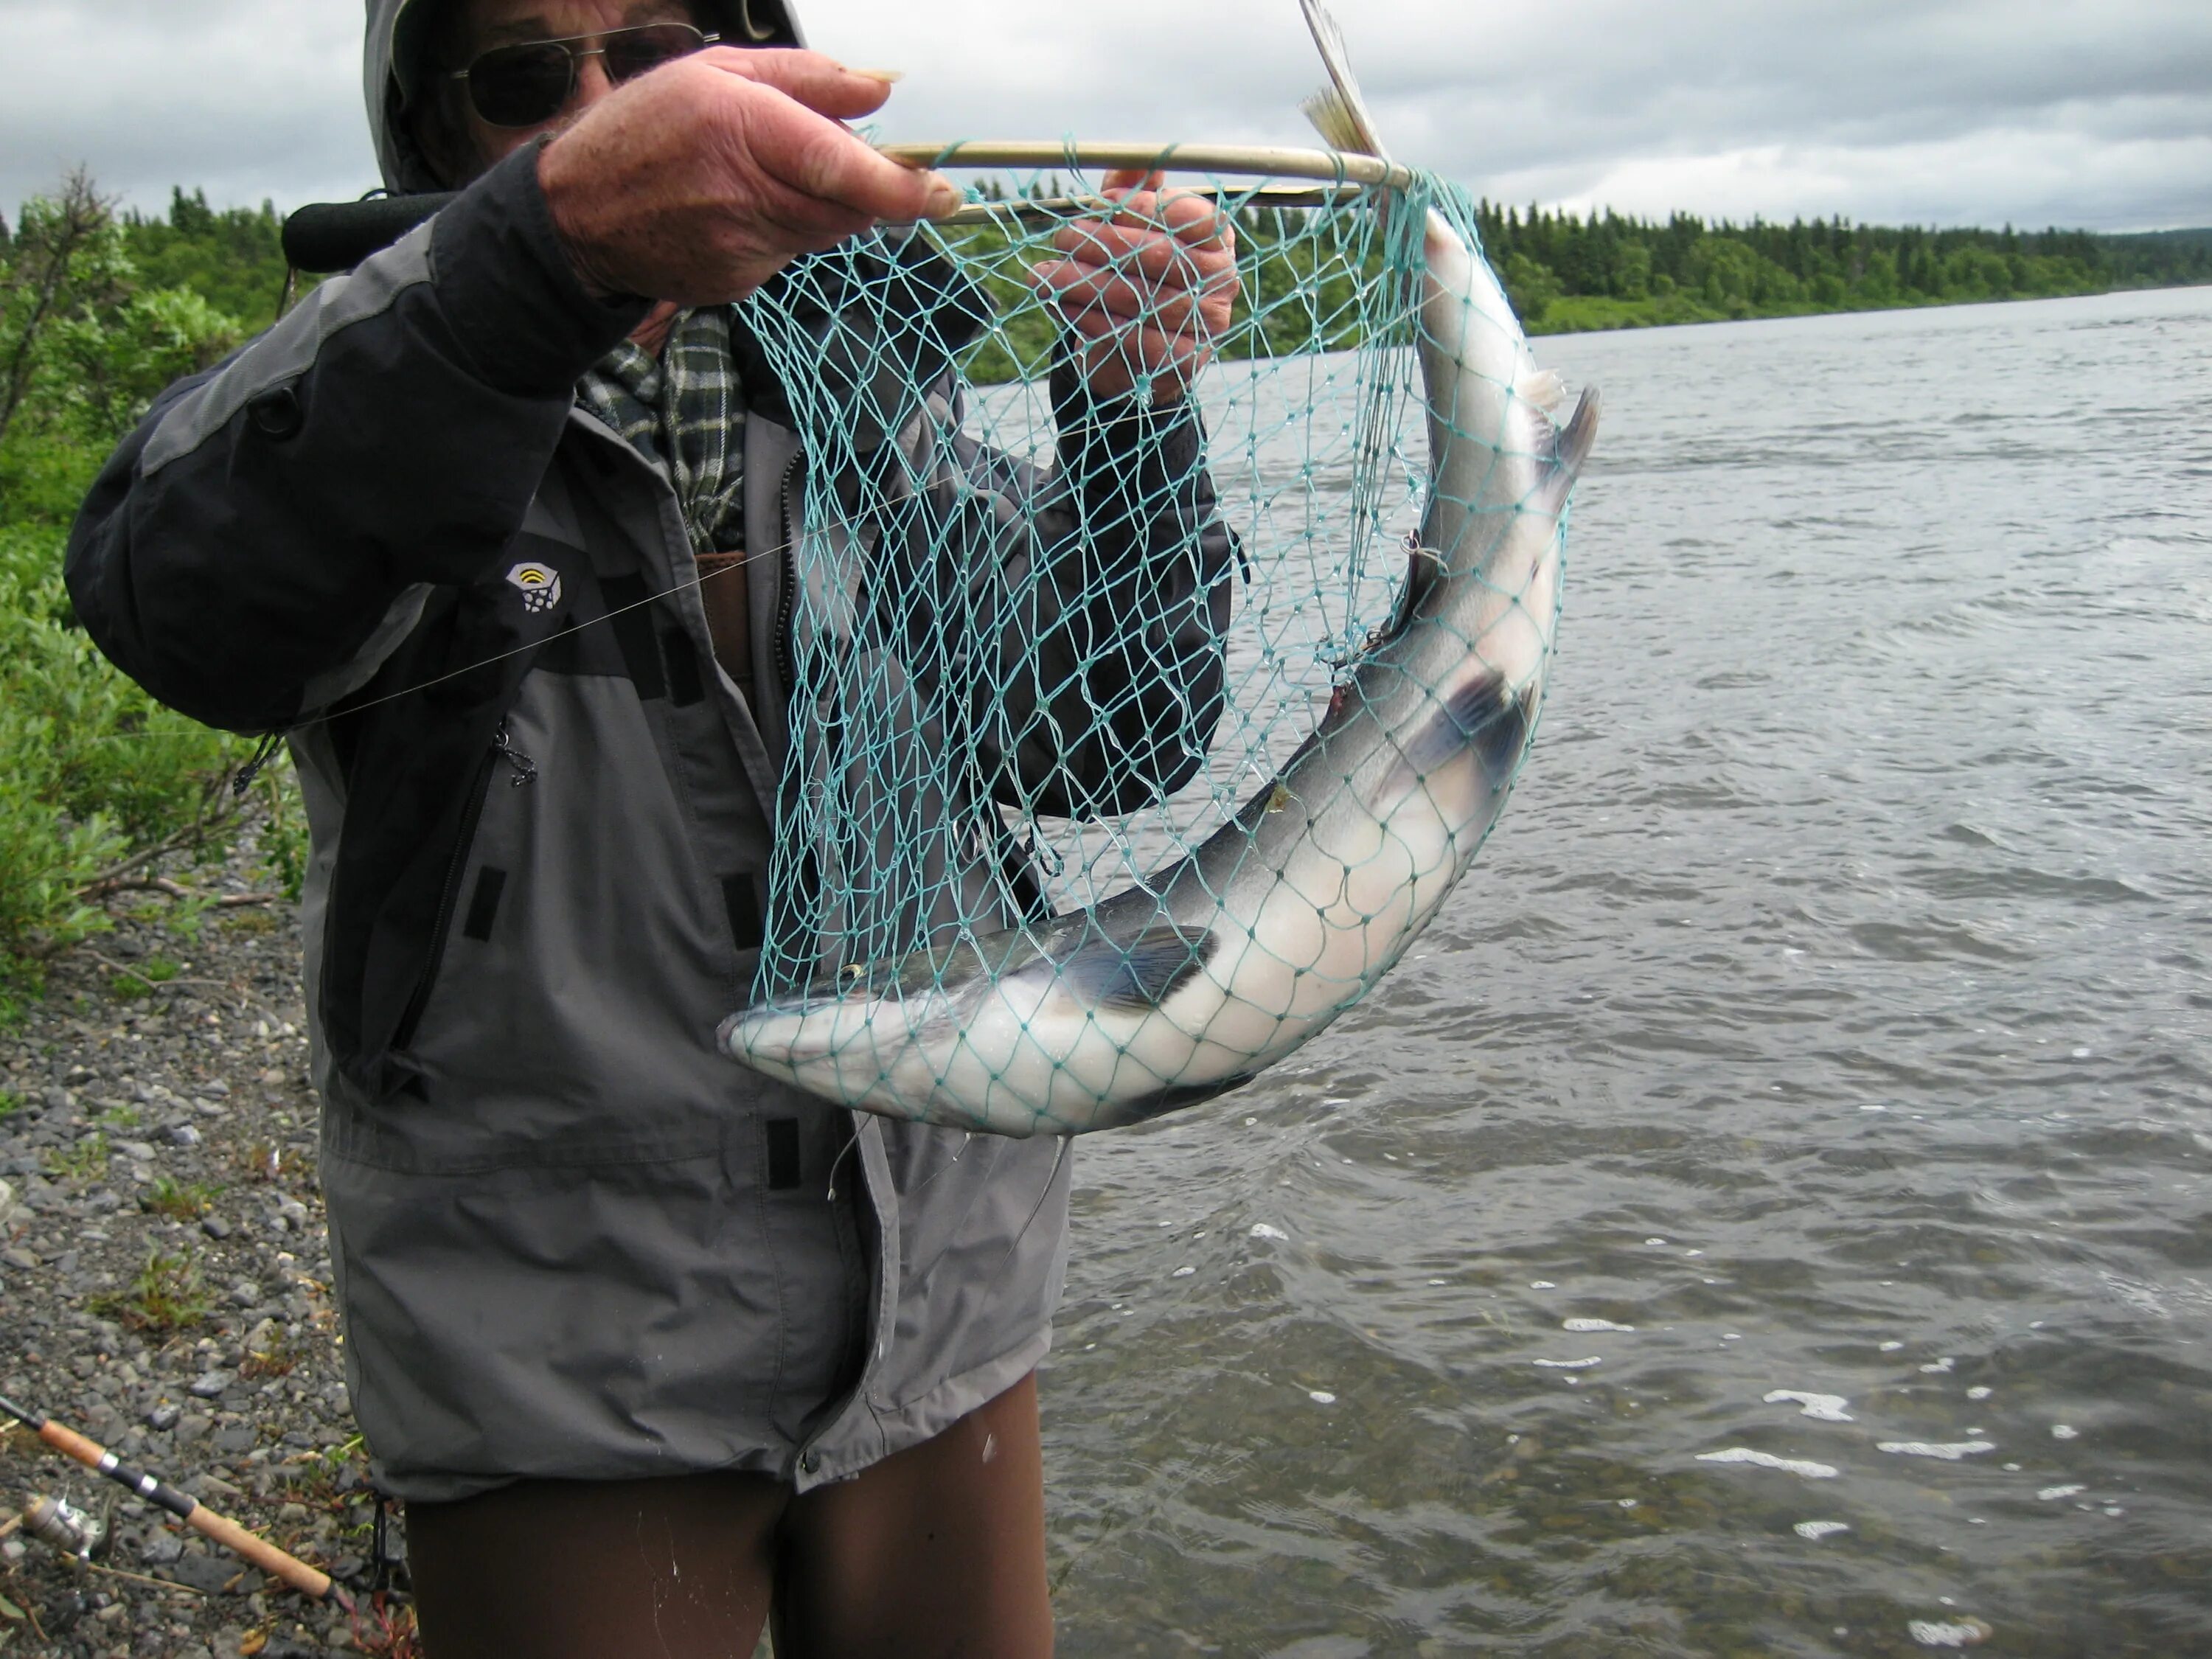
[(1195, 980)]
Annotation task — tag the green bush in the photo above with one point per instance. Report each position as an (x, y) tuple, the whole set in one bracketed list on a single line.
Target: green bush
[(96, 777)]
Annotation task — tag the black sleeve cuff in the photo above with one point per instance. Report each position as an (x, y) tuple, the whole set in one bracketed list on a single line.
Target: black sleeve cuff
[(505, 282), (1096, 433)]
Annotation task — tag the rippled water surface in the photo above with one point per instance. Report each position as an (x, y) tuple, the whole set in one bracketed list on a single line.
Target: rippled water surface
[(1828, 1016)]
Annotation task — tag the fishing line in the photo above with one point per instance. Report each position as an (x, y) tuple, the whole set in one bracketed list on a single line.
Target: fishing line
[(698, 580)]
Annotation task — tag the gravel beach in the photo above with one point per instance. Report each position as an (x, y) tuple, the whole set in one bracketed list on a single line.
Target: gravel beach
[(165, 1289)]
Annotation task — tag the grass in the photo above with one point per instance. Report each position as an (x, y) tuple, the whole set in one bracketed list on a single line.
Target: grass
[(81, 1163), (179, 1201), (10, 1103), (167, 1295), (120, 1117), (139, 981), (279, 1358)]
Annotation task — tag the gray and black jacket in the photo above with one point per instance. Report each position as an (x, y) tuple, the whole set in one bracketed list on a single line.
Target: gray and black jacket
[(571, 1239)]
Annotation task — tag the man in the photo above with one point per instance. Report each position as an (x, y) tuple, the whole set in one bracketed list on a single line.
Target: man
[(644, 1340)]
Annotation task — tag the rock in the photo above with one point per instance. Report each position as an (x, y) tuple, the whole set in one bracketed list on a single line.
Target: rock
[(209, 1385), (163, 1417), (215, 1226), (163, 1549), (206, 1573), (138, 1151), (182, 1134), (245, 1294), (19, 1258), (236, 1440)]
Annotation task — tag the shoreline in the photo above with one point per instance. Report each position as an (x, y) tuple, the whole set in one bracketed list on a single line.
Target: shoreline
[(165, 1289), (1619, 319)]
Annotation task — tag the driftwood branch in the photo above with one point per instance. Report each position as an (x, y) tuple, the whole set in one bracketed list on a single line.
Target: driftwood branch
[(175, 889)]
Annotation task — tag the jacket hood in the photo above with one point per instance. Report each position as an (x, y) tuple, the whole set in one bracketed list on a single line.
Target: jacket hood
[(391, 70)]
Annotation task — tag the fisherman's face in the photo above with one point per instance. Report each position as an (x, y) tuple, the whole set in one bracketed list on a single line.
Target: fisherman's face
[(466, 143)]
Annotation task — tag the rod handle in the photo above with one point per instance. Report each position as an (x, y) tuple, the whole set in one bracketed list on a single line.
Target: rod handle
[(69, 1443), (339, 235), (263, 1554)]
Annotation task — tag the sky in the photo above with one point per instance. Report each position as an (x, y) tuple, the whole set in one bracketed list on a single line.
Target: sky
[(1943, 112)]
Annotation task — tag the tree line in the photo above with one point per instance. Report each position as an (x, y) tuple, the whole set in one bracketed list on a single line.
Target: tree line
[(1607, 270)]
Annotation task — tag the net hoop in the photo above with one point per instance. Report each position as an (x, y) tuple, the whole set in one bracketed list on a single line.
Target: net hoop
[(1351, 175)]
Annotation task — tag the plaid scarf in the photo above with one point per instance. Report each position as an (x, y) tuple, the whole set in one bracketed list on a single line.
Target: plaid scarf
[(686, 410)]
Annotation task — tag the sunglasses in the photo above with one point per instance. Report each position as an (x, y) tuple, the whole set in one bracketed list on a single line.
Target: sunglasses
[(522, 86)]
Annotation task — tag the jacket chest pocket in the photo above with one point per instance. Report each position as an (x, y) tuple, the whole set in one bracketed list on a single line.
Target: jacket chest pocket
[(502, 760)]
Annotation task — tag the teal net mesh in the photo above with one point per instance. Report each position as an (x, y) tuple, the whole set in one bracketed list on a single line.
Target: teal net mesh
[(1131, 738)]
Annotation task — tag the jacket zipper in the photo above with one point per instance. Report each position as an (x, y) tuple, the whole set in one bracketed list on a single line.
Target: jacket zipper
[(525, 770), (787, 600)]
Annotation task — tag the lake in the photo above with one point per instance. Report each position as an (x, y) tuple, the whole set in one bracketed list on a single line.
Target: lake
[(1767, 1214)]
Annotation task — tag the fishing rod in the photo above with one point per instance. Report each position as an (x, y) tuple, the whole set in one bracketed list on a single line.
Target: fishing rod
[(308, 1581), (338, 235)]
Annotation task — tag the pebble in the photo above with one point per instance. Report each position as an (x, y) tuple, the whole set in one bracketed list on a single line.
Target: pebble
[(204, 1090), (163, 1549)]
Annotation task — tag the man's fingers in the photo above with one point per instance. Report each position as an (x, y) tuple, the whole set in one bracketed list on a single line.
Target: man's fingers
[(773, 134), (1194, 218), (1087, 289), (1132, 178), (821, 83), (1152, 254)]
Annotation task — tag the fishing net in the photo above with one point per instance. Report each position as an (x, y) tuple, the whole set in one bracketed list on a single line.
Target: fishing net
[(1059, 846)]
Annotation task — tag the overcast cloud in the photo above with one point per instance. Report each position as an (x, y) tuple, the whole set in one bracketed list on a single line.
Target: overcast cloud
[(1978, 111)]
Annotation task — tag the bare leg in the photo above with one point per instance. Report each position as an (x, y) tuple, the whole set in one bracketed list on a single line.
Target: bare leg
[(936, 1552), (677, 1568)]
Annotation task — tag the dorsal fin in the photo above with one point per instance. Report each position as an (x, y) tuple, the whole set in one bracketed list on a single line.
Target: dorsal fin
[(1339, 115)]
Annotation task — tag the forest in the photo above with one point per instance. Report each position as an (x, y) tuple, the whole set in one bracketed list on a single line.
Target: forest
[(1605, 271), (102, 791)]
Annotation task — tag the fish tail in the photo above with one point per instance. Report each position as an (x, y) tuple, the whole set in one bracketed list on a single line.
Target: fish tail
[(1338, 114)]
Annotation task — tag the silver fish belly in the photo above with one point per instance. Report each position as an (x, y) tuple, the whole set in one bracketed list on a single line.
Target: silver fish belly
[(1227, 960)]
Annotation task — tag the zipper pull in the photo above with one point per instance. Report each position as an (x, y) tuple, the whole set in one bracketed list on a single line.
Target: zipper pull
[(526, 769)]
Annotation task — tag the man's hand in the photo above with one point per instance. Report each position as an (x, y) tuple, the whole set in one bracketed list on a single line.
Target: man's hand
[(698, 183), (1147, 290)]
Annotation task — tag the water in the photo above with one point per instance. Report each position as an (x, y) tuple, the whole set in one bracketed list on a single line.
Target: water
[(1831, 1008)]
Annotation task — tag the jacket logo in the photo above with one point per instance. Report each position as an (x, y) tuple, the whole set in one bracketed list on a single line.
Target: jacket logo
[(540, 585)]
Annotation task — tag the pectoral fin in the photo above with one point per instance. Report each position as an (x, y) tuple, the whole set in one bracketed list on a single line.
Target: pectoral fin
[(1136, 976)]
